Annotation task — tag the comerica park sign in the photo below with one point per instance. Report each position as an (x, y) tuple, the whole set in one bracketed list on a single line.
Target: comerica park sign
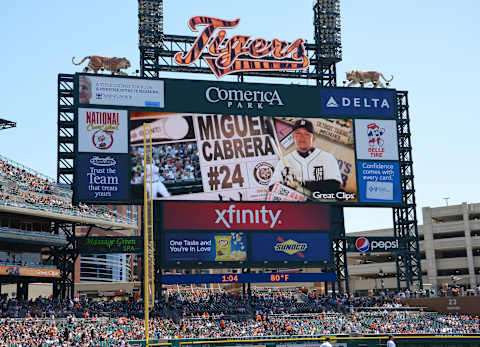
[(240, 52)]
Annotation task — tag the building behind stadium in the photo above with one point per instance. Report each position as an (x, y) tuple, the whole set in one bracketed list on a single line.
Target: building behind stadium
[(450, 251)]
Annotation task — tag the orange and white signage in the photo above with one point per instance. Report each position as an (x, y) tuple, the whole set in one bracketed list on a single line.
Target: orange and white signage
[(28, 271), (240, 52)]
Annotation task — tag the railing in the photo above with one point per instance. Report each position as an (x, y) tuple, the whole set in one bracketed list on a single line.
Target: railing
[(42, 234), (71, 211)]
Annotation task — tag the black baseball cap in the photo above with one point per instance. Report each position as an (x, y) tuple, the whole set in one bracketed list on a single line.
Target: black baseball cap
[(303, 123)]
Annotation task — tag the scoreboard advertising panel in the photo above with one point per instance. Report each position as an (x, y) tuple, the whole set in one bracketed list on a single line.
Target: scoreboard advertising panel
[(224, 141), (235, 234)]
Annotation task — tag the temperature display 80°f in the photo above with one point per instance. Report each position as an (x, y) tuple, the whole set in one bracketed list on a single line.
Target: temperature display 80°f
[(249, 278)]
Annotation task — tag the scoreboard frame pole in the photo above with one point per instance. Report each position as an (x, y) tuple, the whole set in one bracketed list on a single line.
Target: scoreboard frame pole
[(148, 245)]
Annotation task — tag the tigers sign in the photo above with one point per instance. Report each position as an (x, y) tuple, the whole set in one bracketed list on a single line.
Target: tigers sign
[(240, 53)]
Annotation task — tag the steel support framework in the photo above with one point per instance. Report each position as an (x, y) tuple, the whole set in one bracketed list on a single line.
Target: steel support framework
[(157, 50), (64, 257), (339, 247), (408, 263)]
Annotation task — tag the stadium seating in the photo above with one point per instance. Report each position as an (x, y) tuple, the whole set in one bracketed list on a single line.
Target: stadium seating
[(26, 188), (107, 323)]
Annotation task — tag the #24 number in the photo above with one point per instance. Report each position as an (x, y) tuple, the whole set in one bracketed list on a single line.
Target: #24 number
[(221, 177)]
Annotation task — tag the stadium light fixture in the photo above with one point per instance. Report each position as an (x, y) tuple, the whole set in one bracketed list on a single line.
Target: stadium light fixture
[(7, 124)]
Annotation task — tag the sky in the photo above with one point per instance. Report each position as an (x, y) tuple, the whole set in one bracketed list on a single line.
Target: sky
[(430, 47)]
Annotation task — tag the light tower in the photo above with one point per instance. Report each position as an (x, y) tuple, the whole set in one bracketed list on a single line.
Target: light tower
[(150, 33), (6, 124), (328, 40)]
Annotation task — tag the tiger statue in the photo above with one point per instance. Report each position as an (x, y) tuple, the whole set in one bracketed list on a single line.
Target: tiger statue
[(97, 62), (362, 77)]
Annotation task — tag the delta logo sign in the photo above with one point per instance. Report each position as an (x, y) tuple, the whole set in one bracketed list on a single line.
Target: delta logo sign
[(358, 102), (240, 52), (363, 244)]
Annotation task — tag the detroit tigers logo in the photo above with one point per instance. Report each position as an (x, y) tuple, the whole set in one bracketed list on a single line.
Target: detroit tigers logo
[(241, 52), (318, 173)]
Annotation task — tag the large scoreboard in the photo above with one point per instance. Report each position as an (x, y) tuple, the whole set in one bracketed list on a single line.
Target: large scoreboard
[(225, 141)]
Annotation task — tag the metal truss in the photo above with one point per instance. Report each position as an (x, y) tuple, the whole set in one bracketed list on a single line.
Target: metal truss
[(161, 59), (157, 50), (339, 247), (6, 124), (408, 263), (65, 124), (64, 257)]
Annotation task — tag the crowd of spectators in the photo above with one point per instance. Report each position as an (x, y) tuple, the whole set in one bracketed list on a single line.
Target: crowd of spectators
[(26, 179), (214, 315), (176, 162), (194, 304), (27, 189)]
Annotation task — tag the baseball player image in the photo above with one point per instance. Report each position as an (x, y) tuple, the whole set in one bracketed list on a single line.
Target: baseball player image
[(307, 169), (158, 188), (326, 343)]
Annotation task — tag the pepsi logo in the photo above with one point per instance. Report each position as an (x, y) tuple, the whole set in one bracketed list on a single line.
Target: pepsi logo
[(362, 244)]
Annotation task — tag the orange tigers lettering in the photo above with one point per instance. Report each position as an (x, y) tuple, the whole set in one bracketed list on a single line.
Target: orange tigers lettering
[(228, 54)]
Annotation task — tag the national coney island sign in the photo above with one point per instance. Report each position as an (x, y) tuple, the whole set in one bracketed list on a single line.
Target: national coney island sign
[(240, 52)]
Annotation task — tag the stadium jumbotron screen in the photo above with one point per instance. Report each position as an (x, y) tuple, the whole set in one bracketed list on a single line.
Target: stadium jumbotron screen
[(221, 141)]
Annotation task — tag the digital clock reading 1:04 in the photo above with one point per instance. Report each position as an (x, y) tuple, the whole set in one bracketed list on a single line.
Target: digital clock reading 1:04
[(229, 278), (233, 278), (248, 278)]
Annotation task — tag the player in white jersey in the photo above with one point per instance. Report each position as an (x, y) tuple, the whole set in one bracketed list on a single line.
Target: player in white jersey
[(308, 167), (158, 188), (390, 342), (326, 343)]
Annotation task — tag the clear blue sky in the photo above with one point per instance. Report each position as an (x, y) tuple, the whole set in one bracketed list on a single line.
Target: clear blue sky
[(431, 47)]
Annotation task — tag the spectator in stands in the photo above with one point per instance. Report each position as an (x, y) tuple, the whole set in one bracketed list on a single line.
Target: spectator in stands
[(176, 162)]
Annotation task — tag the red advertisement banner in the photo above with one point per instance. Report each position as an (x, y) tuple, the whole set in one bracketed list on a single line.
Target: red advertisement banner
[(244, 216)]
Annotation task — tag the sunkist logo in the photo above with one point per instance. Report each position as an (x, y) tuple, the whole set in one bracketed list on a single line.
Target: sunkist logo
[(232, 216), (240, 53)]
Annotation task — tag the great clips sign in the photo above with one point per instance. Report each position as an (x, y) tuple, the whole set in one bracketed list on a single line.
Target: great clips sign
[(240, 52), (244, 216)]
